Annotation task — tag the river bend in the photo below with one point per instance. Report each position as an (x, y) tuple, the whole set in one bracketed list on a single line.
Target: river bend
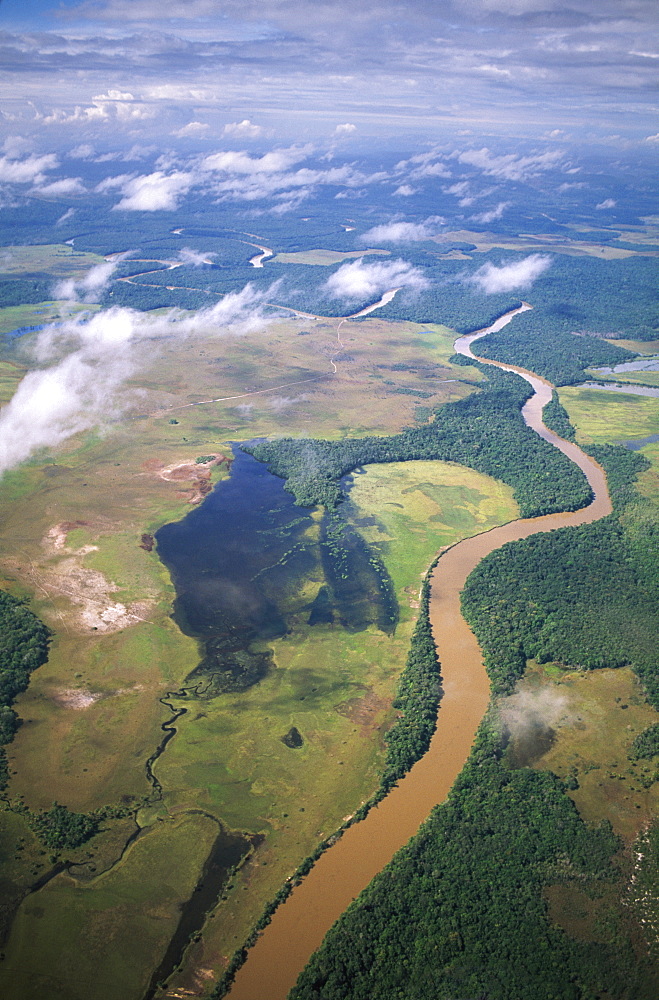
[(299, 925)]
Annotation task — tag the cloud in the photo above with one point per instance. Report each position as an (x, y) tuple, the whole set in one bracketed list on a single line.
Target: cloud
[(84, 151), (244, 129), (607, 203), (192, 128), (29, 170), (115, 106), (359, 281), (90, 287), (85, 361), (195, 258), (652, 138), (519, 275), (135, 153), (402, 232), (423, 166), (528, 712), (346, 129), (114, 95), (461, 190), (405, 191), (492, 214), (70, 212), (15, 145), (509, 166), (154, 192), (276, 161), (61, 188)]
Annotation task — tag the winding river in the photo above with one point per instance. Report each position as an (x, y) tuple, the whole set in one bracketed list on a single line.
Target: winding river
[(300, 924)]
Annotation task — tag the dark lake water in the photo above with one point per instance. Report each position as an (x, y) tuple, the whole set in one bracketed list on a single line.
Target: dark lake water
[(240, 562)]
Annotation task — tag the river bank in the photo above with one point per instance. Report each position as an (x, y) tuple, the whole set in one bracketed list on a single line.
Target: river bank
[(298, 927)]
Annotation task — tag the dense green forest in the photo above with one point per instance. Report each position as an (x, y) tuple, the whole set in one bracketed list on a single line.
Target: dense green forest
[(484, 431), (23, 291), (585, 596), (417, 699), (59, 828), (535, 341), (613, 298), (459, 912), (556, 418), (23, 648)]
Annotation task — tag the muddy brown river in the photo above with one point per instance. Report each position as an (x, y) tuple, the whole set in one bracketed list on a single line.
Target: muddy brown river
[(300, 924)]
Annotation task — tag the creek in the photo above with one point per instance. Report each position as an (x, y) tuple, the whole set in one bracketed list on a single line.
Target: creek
[(299, 925)]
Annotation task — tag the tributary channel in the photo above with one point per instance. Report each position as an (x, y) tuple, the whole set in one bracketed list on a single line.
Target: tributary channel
[(300, 924)]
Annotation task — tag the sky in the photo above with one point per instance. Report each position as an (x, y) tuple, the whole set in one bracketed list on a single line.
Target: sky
[(254, 73), (487, 107)]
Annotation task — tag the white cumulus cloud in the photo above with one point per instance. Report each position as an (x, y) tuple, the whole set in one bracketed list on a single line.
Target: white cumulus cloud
[(192, 128), (509, 277), (155, 192), (29, 170), (607, 203), (360, 281), (244, 129), (61, 188), (398, 231), (509, 166)]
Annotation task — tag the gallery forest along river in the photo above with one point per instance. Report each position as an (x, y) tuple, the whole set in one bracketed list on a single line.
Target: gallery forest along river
[(299, 925)]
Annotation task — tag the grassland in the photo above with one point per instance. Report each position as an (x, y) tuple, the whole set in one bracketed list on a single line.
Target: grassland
[(484, 242), (72, 542), (324, 258), (601, 416), (118, 922), (57, 259), (596, 715), (336, 688)]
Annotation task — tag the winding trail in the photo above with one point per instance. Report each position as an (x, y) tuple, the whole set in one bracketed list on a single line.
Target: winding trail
[(300, 924)]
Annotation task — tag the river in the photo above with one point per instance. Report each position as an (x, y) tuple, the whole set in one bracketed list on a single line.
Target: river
[(300, 924)]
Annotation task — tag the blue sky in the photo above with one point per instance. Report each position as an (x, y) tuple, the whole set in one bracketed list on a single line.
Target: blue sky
[(253, 73)]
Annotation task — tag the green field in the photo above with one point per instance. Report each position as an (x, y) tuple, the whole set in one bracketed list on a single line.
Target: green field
[(72, 543), (602, 416)]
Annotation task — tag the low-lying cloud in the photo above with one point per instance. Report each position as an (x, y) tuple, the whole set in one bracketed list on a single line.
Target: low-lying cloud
[(527, 712), (494, 213), (155, 192), (85, 361), (361, 282), (518, 275), (398, 231), (90, 287), (195, 258)]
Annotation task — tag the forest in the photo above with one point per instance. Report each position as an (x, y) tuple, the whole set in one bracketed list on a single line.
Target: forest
[(23, 648), (459, 912), (417, 699), (485, 431), (585, 596)]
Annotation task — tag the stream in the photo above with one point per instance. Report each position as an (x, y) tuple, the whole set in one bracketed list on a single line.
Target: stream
[(299, 925)]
